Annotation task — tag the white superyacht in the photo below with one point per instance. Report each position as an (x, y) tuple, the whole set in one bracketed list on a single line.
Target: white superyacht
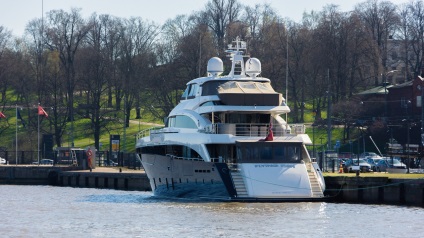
[(227, 140)]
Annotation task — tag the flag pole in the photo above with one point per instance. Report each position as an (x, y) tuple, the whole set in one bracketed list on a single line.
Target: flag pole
[(38, 137), (16, 136)]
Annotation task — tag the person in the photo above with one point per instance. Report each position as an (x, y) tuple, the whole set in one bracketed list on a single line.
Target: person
[(89, 155)]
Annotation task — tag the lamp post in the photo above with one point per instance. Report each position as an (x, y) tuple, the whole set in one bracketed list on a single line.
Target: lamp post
[(322, 154), (407, 146), (385, 90), (420, 87)]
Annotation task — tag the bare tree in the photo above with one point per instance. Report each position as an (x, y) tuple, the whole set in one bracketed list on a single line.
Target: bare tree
[(217, 15), (96, 68), (64, 34), (135, 50), (381, 20), (413, 36), (5, 62)]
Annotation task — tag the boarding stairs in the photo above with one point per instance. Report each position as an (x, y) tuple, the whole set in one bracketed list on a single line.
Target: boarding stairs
[(74, 158), (239, 183), (315, 185)]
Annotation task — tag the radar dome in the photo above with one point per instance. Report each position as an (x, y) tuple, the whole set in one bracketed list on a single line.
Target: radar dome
[(253, 67), (215, 66)]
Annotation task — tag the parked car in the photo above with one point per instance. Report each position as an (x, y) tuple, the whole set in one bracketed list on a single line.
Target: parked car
[(111, 163), (44, 162), (373, 161), (2, 160), (351, 165), (386, 163), (368, 154)]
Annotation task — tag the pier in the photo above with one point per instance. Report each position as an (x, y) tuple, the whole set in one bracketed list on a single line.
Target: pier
[(101, 177), (347, 189), (375, 190)]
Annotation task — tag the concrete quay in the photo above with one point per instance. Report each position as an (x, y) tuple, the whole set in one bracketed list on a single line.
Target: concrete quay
[(112, 178), (375, 190), (100, 177), (347, 189)]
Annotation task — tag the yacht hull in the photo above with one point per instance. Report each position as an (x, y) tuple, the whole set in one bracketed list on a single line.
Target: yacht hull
[(170, 177), (177, 178)]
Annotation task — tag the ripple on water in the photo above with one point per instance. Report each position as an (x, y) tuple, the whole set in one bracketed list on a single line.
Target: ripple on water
[(45, 211)]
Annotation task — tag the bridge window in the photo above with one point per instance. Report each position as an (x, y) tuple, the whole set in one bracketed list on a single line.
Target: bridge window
[(181, 122), (265, 152)]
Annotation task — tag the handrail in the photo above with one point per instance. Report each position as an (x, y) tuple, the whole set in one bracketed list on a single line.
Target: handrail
[(236, 129), (146, 132)]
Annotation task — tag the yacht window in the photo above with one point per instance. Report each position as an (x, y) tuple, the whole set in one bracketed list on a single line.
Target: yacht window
[(293, 154), (269, 152), (211, 87), (171, 122), (184, 122), (210, 103), (185, 94), (279, 153), (193, 90), (174, 150), (266, 153)]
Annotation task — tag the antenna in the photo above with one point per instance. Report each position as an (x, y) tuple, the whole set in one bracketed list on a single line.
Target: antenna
[(235, 52)]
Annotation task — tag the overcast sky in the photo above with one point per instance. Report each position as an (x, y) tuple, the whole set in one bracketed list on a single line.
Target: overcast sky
[(15, 14)]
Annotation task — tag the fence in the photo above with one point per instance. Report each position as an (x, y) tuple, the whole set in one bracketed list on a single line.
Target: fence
[(103, 159)]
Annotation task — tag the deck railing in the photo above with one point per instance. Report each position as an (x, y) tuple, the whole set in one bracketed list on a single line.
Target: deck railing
[(236, 129), (253, 129)]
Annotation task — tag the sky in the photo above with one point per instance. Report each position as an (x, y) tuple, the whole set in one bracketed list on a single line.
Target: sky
[(16, 14)]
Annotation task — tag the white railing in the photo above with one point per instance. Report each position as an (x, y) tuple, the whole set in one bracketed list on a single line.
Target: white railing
[(252, 129), (236, 129), (147, 132)]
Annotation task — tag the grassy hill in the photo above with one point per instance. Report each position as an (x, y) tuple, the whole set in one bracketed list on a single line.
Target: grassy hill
[(83, 136)]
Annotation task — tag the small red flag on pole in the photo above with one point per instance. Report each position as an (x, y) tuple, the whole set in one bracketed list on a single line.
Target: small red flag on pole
[(41, 112), (2, 115)]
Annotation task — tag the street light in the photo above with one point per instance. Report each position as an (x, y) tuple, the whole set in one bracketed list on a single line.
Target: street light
[(322, 155), (407, 147), (385, 89)]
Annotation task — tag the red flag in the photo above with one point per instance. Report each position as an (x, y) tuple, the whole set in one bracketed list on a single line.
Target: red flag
[(41, 112), (270, 136), (2, 115)]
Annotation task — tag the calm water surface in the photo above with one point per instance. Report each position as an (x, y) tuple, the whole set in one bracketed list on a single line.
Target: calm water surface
[(45, 211)]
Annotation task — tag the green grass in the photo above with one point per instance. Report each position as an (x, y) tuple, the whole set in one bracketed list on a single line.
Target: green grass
[(83, 134)]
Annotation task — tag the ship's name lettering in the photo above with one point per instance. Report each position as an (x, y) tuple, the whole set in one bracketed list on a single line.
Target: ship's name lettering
[(266, 165)]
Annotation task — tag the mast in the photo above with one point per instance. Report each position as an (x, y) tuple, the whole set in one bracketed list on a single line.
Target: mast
[(235, 52)]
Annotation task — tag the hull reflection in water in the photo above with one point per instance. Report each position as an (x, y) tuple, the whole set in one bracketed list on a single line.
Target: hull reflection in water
[(43, 211)]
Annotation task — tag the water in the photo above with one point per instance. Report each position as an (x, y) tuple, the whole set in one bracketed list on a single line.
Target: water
[(45, 211)]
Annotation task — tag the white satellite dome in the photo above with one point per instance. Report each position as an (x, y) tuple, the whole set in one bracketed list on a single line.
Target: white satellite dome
[(215, 66), (253, 67)]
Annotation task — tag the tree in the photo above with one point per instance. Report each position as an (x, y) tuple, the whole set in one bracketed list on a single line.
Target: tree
[(412, 35), (217, 15), (135, 51), (96, 67), (380, 20), (65, 33), (5, 62)]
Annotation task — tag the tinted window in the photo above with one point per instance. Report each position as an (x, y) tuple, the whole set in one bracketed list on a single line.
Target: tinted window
[(184, 122), (269, 152)]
